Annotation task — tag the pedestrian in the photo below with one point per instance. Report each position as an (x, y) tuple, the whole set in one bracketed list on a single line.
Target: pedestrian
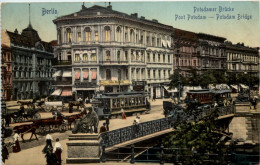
[(53, 114), (154, 98), (107, 123), (70, 108), (7, 120), (59, 115), (50, 157), (16, 146), (137, 119), (103, 128), (58, 150), (48, 143), (255, 102), (5, 152), (123, 113)]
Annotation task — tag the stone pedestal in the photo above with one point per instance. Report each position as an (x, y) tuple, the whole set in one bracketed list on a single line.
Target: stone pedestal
[(84, 148)]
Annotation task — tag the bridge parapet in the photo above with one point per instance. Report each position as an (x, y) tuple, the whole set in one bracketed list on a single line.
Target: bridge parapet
[(146, 128)]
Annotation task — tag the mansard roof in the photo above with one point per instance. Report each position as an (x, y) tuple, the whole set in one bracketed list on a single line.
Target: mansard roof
[(99, 12), (211, 37), (28, 38), (185, 35)]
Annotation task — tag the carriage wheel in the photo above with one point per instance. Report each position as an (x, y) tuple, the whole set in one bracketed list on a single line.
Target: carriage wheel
[(37, 116), (48, 108)]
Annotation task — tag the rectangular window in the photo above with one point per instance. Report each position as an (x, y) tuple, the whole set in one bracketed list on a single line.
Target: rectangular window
[(159, 58), (169, 60), (96, 35), (149, 76), (76, 57), (79, 37), (126, 55), (148, 57), (88, 36), (153, 57)]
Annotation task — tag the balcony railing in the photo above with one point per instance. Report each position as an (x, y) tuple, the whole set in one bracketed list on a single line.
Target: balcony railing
[(62, 83), (113, 62), (63, 62), (79, 84)]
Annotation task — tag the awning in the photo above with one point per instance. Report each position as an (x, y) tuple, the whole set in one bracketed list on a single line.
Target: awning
[(234, 86), (171, 90), (85, 75), (244, 86), (57, 73), (57, 92), (67, 74), (94, 74), (66, 92), (77, 75)]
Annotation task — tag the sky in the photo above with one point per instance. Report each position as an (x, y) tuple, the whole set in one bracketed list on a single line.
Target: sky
[(246, 30)]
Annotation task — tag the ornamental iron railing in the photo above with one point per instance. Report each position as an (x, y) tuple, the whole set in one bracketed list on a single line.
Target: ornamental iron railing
[(146, 128)]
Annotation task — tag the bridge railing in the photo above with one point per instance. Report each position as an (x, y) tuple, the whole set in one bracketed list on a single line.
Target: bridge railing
[(135, 131), (124, 134)]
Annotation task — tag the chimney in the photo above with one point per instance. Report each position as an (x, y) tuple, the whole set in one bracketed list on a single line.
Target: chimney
[(16, 31), (155, 20), (134, 15), (83, 7), (109, 6)]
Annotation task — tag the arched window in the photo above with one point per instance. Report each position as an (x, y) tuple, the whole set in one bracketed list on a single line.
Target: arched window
[(77, 58), (107, 33), (93, 57), (59, 36), (118, 34), (85, 57), (132, 35), (108, 74), (69, 35), (107, 55), (87, 34)]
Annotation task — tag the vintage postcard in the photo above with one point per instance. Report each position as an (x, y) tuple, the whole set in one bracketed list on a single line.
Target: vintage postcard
[(114, 82)]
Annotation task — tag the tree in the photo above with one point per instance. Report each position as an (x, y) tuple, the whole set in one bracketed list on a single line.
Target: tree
[(194, 78), (201, 136), (174, 80), (220, 77), (207, 78)]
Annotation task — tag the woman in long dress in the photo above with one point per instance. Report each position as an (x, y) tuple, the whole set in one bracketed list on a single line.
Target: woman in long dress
[(48, 143), (16, 147), (123, 114)]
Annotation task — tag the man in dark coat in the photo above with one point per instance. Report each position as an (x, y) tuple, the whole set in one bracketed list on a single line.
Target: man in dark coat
[(107, 123), (103, 128)]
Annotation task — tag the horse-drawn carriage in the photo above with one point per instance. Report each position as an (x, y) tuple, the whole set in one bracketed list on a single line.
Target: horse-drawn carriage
[(20, 116), (76, 103)]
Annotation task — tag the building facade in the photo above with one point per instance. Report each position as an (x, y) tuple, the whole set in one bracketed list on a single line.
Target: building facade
[(185, 45), (211, 52), (242, 59), (30, 66), (6, 72), (100, 49)]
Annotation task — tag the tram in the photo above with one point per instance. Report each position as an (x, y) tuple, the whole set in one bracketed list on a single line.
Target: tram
[(112, 103), (206, 96)]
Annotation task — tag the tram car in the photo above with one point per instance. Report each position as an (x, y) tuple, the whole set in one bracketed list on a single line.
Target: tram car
[(112, 103)]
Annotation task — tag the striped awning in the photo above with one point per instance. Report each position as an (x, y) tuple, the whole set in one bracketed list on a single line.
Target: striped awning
[(57, 92), (66, 92)]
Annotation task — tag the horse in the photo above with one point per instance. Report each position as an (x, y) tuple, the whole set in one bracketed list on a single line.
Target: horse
[(22, 129)]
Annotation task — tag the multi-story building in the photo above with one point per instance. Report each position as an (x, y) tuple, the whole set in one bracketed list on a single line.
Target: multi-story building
[(100, 49), (211, 52), (242, 59), (30, 66), (186, 56), (6, 72)]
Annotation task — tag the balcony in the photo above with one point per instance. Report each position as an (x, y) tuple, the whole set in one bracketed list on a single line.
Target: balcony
[(62, 83), (114, 62), (63, 62), (114, 82), (79, 84)]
